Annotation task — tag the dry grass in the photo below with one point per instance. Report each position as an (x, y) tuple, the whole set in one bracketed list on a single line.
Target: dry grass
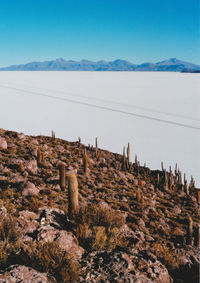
[(98, 228), (9, 239), (49, 258)]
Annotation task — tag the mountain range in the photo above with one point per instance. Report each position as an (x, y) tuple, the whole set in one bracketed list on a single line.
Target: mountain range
[(170, 65)]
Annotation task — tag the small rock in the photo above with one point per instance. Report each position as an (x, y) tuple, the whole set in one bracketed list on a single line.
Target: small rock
[(21, 136), (34, 142), (32, 166), (3, 143)]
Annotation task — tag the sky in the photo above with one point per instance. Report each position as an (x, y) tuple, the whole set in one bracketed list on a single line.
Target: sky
[(135, 30)]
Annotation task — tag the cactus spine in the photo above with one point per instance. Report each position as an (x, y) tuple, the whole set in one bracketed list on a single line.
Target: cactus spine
[(73, 206)]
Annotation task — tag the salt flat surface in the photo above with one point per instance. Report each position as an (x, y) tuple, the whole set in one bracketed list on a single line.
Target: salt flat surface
[(29, 105)]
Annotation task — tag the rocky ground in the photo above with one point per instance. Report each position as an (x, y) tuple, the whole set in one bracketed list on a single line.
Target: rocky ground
[(134, 224)]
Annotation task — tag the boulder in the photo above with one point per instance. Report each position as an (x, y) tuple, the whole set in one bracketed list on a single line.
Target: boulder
[(52, 221), (30, 190)]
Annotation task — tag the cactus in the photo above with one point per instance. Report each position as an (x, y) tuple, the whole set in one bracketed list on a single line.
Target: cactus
[(39, 156), (180, 180), (136, 161), (184, 177), (198, 237), (176, 169), (42, 156), (85, 162), (165, 179), (50, 202), (98, 155), (192, 183), (53, 135), (198, 195), (189, 231), (62, 176), (73, 206), (21, 167), (186, 187), (158, 179), (96, 148), (131, 167), (128, 153), (138, 196), (79, 141), (170, 181)]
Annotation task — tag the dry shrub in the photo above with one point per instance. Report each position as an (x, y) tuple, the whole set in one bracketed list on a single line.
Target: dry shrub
[(98, 228), (9, 240), (102, 239), (165, 255), (100, 216), (49, 258), (31, 203)]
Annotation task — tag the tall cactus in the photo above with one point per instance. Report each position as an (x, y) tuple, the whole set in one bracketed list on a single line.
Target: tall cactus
[(138, 196), (198, 236), (53, 135), (198, 195), (73, 206), (79, 141), (85, 162), (128, 153), (158, 178), (189, 231), (62, 176), (96, 148), (39, 156), (21, 167)]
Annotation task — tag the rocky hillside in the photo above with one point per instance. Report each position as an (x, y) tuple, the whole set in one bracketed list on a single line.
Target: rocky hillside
[(120, 223)]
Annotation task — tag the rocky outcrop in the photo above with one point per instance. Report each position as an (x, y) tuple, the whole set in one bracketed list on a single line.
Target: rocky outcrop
[(120, 266), (24, 274)]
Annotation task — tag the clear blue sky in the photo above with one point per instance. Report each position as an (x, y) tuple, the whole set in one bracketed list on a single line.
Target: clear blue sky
[(135, 30)]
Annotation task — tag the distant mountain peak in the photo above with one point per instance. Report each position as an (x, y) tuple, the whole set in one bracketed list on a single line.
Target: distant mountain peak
[(173, 60)]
